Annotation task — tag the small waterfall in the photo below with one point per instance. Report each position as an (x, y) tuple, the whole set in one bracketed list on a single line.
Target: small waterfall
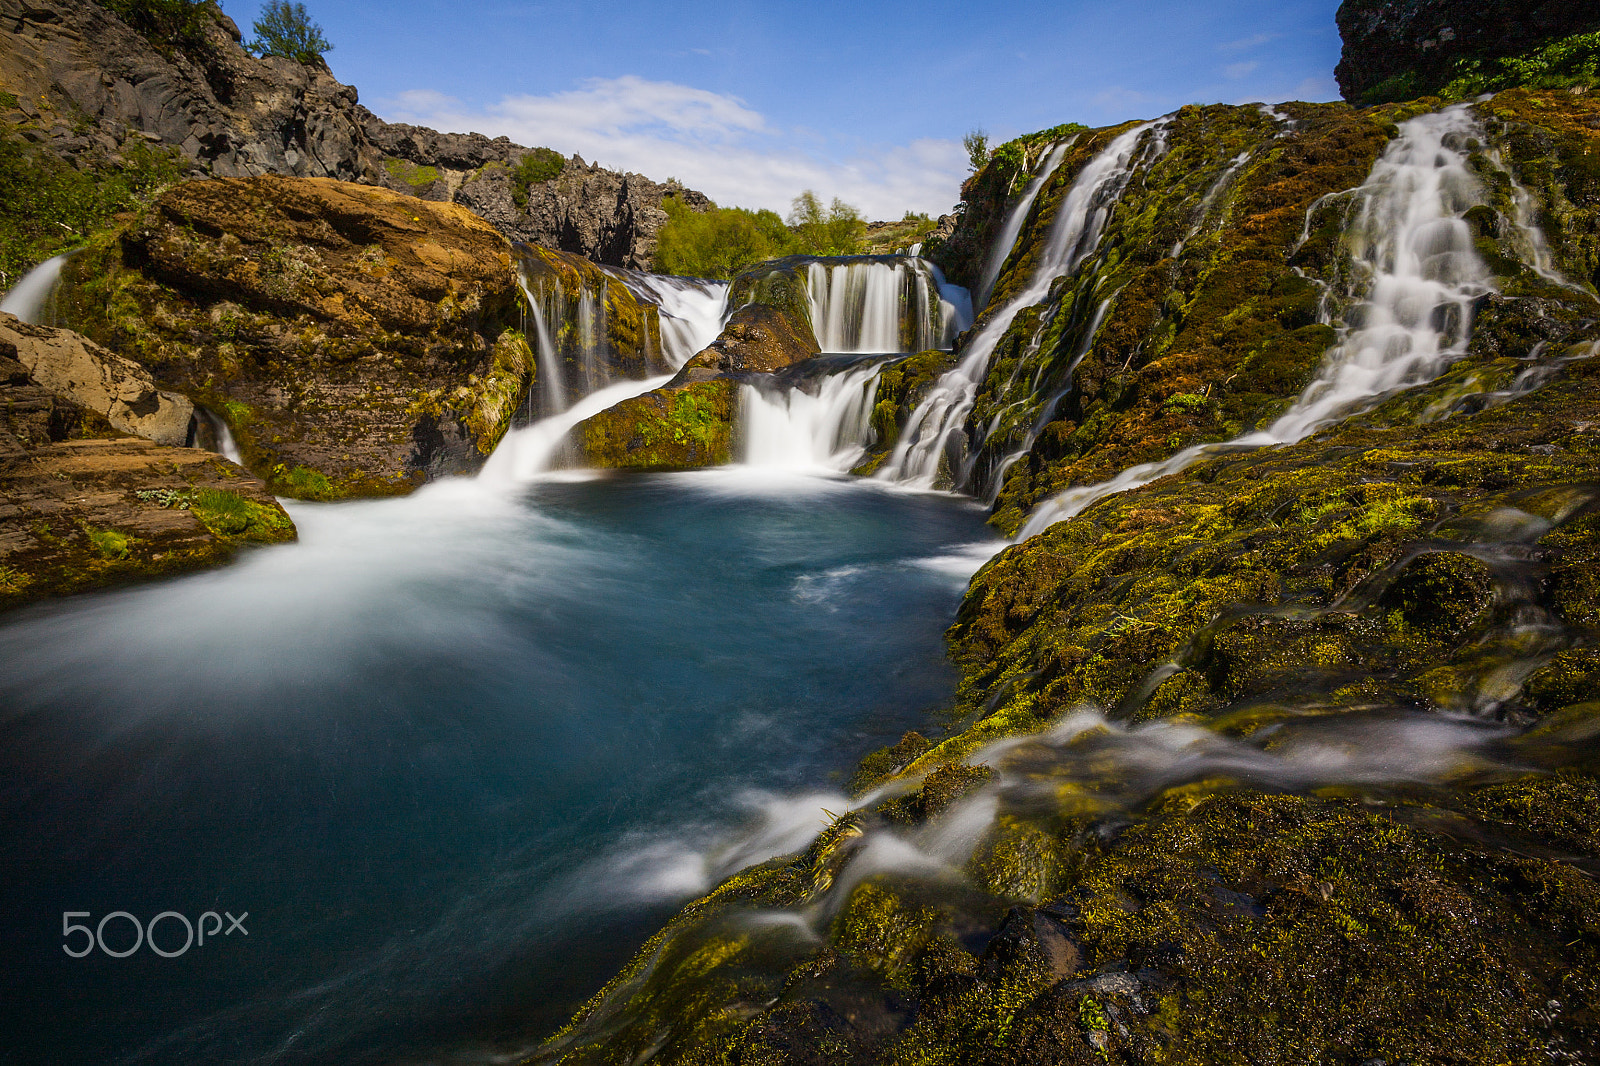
[(1412, 252), (30, 298), (1004, 244), (569, 333), (692, 311), (829, 429), (221, 436), (534, 449), (552, 387), (884, 305), (1074, 235)]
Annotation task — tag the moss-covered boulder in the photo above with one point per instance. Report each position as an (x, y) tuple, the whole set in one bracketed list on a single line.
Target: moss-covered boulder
[(356, 341)]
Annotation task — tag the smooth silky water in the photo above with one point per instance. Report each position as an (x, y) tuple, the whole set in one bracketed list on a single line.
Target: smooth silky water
[(457, 755)]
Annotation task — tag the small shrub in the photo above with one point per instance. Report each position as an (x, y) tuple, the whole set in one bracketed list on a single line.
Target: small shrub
[(167, 24), (1566, 63), (538, 166)]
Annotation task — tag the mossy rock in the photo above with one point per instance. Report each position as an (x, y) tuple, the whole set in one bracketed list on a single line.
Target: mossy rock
[(667, 429)]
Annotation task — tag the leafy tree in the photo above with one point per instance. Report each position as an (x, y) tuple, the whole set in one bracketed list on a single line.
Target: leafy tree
[(285, 29), (977, 145), (836, 231)]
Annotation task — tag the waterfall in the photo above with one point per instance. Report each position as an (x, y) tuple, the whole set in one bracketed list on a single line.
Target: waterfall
[(692, 311), (1073, 236), (534, 449), (553, 390), (826, 430), (884, 305), (1412, 252), (1013, 225), (30, 298)]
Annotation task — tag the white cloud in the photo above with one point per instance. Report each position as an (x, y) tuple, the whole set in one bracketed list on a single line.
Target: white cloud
[(1235, 71), (1248, 43), (709, 141)]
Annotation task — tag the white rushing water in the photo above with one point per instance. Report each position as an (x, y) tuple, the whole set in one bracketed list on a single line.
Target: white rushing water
[(1075, 234), (883, 305), (691, 312), (827, 430), (30, 298), (1413, 256), (534, 449), (1006, 241)]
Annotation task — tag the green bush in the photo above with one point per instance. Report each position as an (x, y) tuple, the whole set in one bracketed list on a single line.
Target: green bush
[(167, 24), (717, 243), (535, 168), (1563, 64), (836, 231), (285, 29), (52, 206), (722, 241)]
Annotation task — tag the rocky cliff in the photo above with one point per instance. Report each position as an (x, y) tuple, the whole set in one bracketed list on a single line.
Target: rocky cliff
[(85, 503), (79, 83), (1403, 49)]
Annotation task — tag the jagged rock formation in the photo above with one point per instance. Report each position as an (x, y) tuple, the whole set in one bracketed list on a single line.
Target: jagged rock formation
[(356, 341), (82, 506), (78, 82), (1403, 49)]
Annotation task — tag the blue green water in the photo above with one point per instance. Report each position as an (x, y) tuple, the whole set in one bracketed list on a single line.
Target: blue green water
[(456, 755)]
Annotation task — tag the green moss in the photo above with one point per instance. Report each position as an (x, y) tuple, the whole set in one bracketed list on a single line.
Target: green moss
[(228, 514), (411, 173), (501, 390), (668, 429), (302, 483), (108, 543)]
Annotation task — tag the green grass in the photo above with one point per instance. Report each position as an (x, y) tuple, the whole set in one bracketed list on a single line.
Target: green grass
[(52, 206), (537, 167)]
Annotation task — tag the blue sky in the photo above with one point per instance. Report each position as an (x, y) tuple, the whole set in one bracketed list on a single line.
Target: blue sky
[(864, 100)]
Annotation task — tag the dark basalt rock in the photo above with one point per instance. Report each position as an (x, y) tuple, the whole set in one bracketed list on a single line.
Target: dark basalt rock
[(1404, 49)]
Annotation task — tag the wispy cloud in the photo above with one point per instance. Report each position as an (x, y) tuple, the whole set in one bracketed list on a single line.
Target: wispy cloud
[(1235, 71), (1248, 43), (709, 141)]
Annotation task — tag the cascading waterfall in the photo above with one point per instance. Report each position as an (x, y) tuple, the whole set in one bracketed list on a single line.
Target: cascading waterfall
[(692, 311), (1074, 235), (1007, 240), (553, 390), (877, 305), (825, 430), (1412, 252), (30, 298)]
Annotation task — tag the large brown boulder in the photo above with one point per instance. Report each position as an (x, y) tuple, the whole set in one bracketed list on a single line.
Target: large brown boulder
[(356, 341)]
